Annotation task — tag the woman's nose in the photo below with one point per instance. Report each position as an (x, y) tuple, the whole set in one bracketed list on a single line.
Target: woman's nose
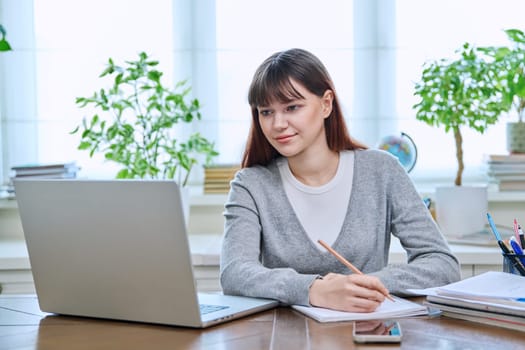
[(280, 121)]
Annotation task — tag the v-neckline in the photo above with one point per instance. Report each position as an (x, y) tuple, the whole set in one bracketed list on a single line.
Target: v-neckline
[(314, 245)]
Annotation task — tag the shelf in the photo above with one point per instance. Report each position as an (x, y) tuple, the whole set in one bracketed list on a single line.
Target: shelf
[(8, 204), (199, 199), (506, 196)]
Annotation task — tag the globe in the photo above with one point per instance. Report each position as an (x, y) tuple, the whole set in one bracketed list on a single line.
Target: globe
[(403, 147)]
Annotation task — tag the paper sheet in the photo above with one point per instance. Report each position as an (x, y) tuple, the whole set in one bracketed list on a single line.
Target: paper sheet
[(492, 284)]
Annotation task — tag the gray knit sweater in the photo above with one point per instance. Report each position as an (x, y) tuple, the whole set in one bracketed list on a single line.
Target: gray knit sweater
[(266, 252)]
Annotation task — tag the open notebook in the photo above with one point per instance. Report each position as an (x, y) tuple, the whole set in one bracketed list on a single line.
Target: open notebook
[(388, 309)]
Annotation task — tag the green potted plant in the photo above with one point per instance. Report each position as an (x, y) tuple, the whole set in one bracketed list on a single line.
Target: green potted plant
[(457, 93), (509, 66), (135, 122)]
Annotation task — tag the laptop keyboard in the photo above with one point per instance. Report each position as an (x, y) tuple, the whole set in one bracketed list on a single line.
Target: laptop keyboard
[(206, 309)]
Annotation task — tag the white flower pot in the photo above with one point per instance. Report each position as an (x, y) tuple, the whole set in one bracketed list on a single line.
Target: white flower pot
[(461, 210)]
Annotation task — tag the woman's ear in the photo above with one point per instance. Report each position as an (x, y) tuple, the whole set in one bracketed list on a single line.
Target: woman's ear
[(327, 103)]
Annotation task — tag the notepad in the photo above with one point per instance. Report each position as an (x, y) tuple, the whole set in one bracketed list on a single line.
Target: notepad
[(388, 309), (491, 284)]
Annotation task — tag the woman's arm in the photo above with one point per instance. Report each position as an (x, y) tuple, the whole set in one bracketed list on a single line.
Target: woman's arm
[(241, 269), (430, 261)]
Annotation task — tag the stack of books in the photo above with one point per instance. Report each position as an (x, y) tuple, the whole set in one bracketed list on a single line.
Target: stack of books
[(493, 298), (49, 171), (507, 171), (217, 177), (44, 171)]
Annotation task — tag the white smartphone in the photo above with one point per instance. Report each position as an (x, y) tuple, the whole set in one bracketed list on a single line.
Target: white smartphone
[(377, 331)]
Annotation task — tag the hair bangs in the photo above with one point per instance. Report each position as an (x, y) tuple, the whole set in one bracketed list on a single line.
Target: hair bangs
[(271, 87)]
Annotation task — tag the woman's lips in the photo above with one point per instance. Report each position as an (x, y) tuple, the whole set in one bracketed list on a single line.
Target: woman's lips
[(284, 138)]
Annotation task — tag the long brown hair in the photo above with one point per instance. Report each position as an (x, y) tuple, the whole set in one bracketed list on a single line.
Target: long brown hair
[(272, 82)]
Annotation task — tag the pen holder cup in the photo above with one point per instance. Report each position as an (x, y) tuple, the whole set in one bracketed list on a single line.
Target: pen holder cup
[(508, 266)]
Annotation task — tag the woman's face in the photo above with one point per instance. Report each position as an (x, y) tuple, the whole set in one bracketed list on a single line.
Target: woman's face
[(297, 127)]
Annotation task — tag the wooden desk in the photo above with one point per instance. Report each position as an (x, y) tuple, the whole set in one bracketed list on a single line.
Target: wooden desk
[(23, 326)]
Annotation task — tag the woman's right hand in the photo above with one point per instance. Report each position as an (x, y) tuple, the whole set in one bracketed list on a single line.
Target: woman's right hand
[(352, 293)]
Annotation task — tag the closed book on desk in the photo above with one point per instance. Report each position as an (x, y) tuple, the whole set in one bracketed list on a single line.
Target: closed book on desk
[(507, 307), (388, 309), (492, 297), (479, 316), (489, 320)]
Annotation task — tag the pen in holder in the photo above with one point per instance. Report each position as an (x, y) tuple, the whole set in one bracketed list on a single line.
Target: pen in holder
[(508, 265)]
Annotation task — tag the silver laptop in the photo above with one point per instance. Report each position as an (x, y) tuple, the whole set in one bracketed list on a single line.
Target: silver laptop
[(117, 249)]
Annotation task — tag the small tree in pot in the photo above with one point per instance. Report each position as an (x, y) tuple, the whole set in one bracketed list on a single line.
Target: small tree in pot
[(459, 92), (456, 93), (137, 121)]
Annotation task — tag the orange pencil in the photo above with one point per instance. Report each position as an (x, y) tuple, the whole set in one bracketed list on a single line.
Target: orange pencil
[(346, 262)]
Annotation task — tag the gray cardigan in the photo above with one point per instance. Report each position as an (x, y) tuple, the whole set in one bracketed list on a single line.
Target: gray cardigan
[(266, 252)]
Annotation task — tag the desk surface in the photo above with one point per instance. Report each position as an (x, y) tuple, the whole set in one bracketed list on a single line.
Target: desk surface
[(23, 326)]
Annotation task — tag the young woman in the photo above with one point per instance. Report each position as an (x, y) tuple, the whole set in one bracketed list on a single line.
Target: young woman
[(304, 179)]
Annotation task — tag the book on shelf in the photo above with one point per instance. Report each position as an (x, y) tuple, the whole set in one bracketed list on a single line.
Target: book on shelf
[(39, 171), (221, 171), (505, 158), (507, 171), (44, 166), (222, 166), (216, 190), (511, 185), (503, 168), (217, 177), (63, 175), (44, 169), (510, 177), (217, 185)]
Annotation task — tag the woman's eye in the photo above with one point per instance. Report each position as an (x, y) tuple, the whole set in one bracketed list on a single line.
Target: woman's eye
[(265, 112), (292, 108)]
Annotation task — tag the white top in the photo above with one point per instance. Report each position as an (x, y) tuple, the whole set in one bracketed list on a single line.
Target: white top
[(321, 210)]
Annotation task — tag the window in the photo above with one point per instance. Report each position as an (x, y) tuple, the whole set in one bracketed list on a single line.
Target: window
[(247, 32), (57, 58), (433, 29), (374, 51)]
